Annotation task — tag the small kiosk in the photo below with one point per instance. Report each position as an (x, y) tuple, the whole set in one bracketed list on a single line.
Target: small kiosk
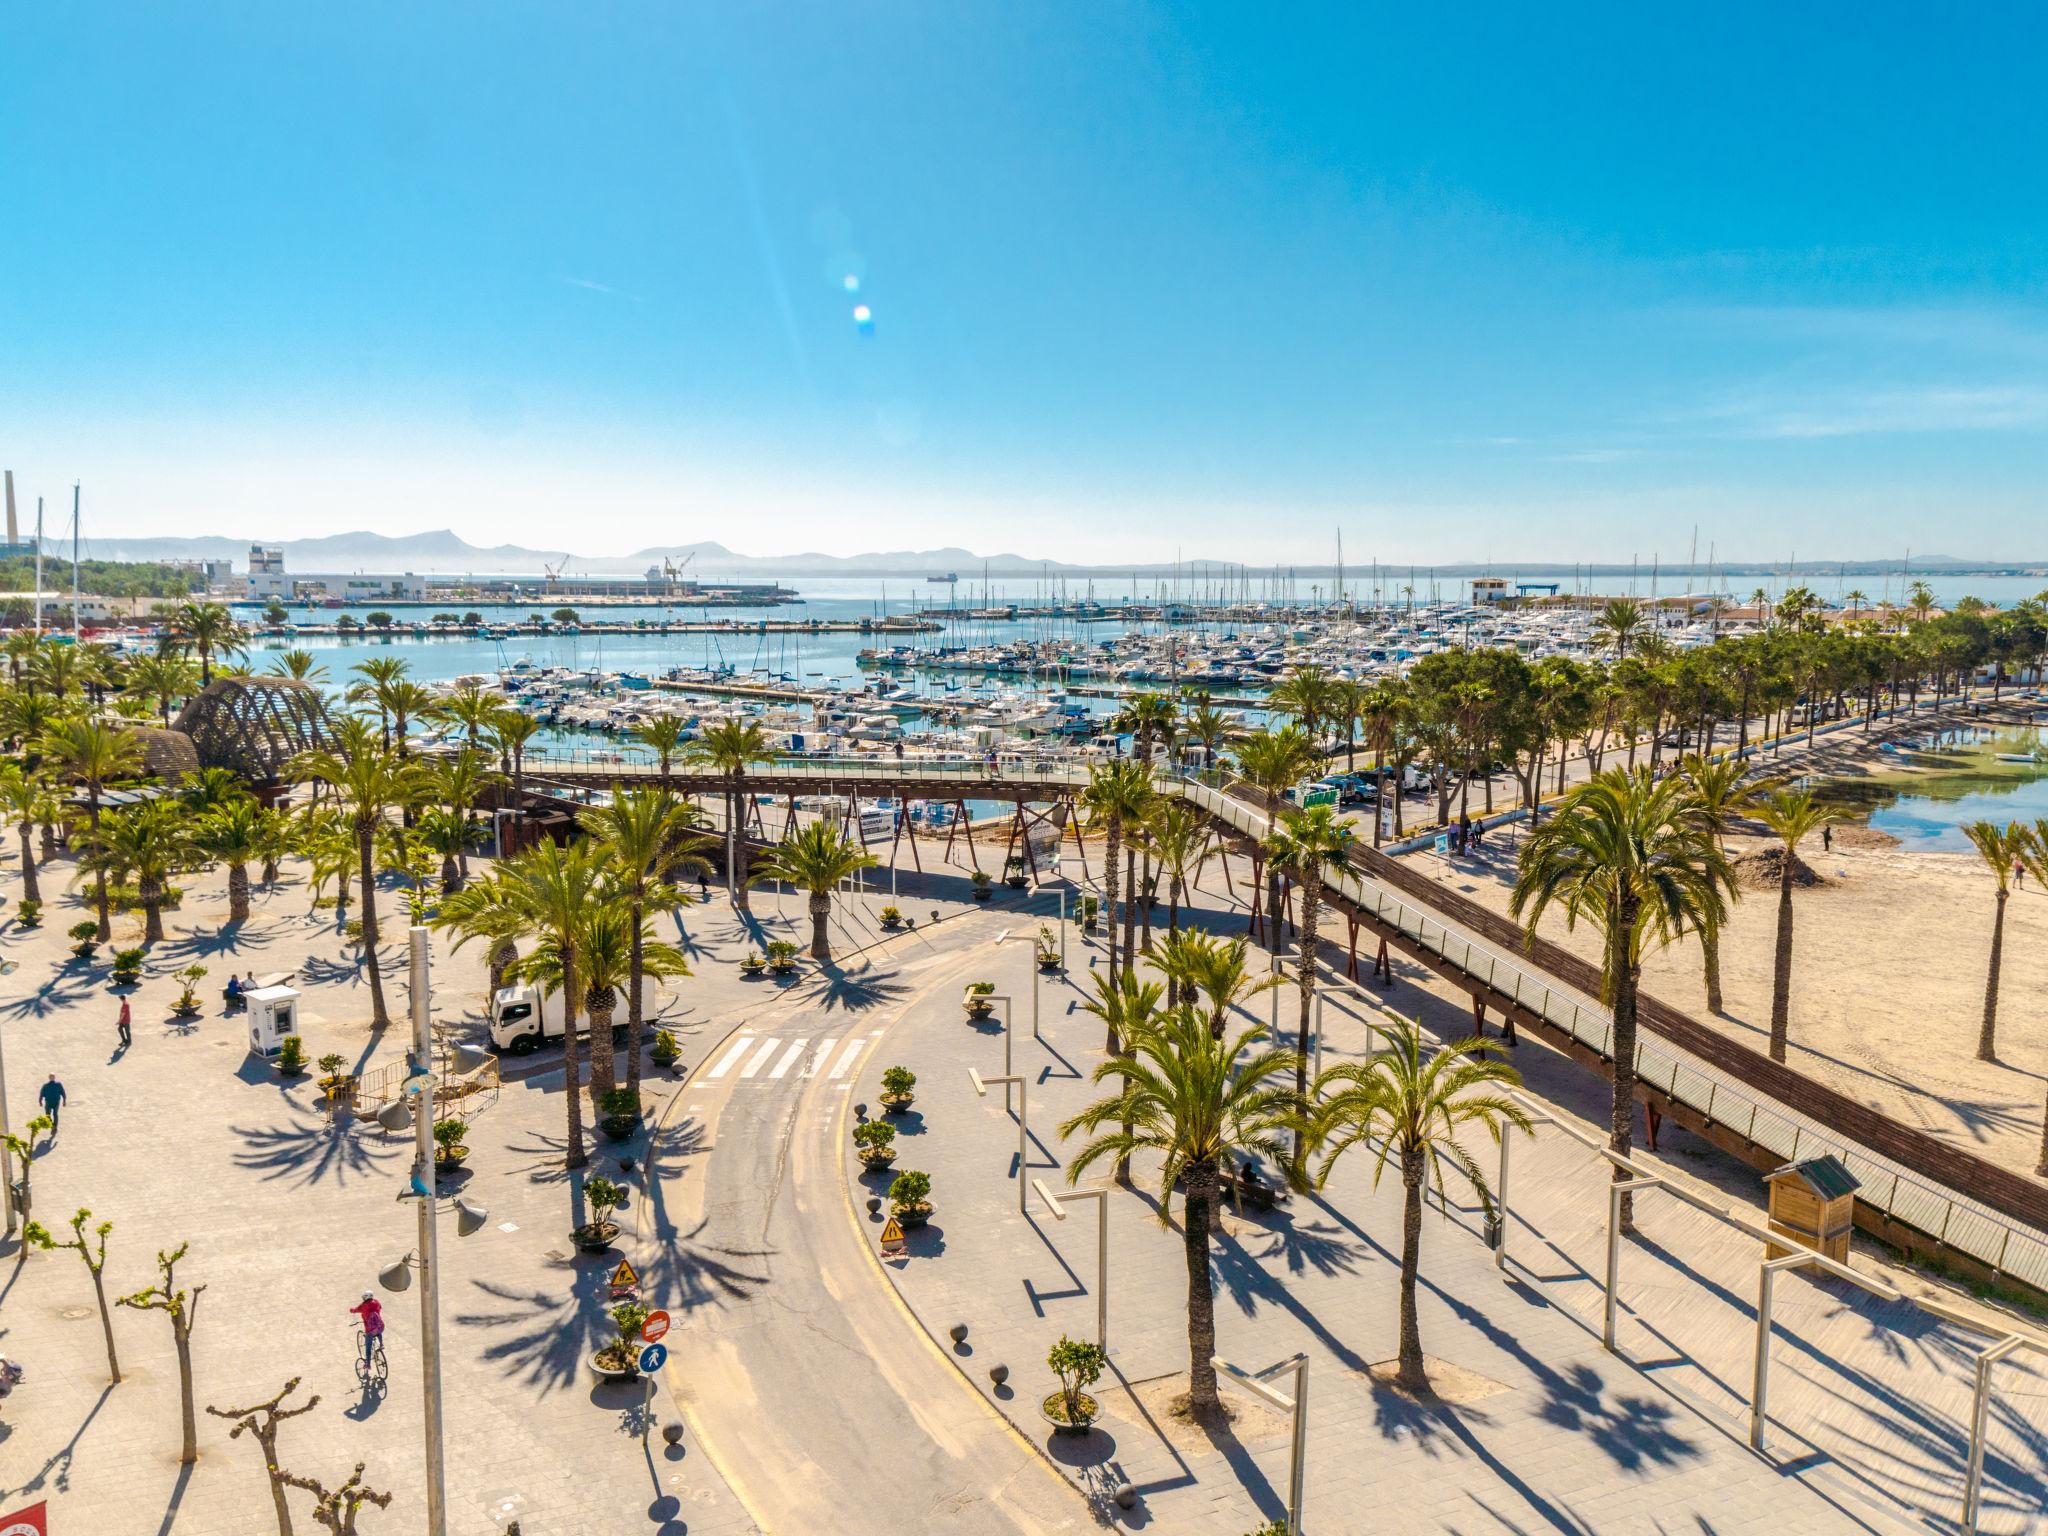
[(273, 1014), (1814, 1204)]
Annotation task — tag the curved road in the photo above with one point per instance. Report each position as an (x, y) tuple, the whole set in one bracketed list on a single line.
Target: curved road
[(803, 1376)]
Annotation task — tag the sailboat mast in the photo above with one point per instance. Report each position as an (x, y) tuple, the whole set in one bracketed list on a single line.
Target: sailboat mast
[(39, 567), (74, 561)]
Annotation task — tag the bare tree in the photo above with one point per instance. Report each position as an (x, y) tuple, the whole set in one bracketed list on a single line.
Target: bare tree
[(95, 1257), (262, 1421), (337, 1510), (183, 1309)]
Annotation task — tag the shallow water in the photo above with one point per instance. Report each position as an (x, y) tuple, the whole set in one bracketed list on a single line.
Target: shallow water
[(1962, 780)]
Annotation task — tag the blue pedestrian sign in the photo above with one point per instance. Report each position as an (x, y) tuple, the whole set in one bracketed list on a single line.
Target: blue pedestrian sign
[(653, 1358)]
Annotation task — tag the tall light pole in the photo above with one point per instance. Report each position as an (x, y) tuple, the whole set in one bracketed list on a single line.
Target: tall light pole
[(6, 1152)]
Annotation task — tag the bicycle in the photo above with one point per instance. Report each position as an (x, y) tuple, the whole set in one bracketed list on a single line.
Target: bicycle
[(372, 1370)]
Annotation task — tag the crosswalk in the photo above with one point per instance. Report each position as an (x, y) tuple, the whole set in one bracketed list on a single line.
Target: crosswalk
[(748, 1057)]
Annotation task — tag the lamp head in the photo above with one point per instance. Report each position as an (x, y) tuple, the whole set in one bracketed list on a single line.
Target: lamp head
[(397, 1275), (469, 1217)]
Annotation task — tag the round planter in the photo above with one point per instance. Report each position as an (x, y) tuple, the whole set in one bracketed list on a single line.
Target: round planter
[(1049, 966), (878, 1161), (897, 1103), (631, 1372), (284, 1071), (595, 1237), (982, 893), (665, 1061), (618, 1127), (184, 1013), (911, 1217), (891, 924), (1054, 1408), (451, 1157)]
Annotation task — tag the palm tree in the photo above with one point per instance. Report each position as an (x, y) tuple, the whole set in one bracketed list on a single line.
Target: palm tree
[(298, 665), (664, 735), (471, 708), (1791, 815), (1380, 714), (92, 755), (24, 717), (1720, 792), (206, 628), (1273, 762), (485, 908), (644, 834), (1201, 965), (1400, 1104), (369, 780), (551, 887), (1196, 1101), (1207, 726), (458, 782), (449, 834), (510, 731), (164, 679), (729, 748), (2003, 849), (151, 842), (1627, 853), (1118, 794), (378, 673), (233, 833), (816, 858), (21, 792), (1305, 695), (1309, 844), (1920, 598), (1619, 624), (1180, 840)]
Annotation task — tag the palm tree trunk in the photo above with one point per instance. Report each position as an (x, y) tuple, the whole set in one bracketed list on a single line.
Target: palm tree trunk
[(572, 1068), (1710, 961), (739, 848), (238, 893), (604, 1070), (380, 1017), (503, 953), (99, 876), (1411, 1375), (1987, 1037), (1201, 1200), (1622, 1115), (151, 894), (30, 890), (1131, 903), (1781, 965), (821, 925), (636, 977), (1311, 911), (1109, 882)]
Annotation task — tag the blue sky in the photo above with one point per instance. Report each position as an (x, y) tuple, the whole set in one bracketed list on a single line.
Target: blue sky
[(1521, 283)]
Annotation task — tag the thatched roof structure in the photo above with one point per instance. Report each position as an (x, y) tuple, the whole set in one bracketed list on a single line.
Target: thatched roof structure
[(168, 755), (254, 725)]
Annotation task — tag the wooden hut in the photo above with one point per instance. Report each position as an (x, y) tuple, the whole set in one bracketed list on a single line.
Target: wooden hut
[(1814, 1203)]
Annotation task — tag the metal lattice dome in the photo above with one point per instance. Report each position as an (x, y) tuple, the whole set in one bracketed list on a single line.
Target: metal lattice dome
[(254, 725)]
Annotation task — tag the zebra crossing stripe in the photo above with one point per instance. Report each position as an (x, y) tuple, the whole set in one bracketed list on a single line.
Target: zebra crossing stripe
[(759, 1057), (846, 1056), (822, 1054), (796, 1049), (731, 1058)]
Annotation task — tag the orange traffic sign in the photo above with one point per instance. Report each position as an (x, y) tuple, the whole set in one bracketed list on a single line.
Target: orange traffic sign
[(623, 1278), (892, 1237), (655, 1327)]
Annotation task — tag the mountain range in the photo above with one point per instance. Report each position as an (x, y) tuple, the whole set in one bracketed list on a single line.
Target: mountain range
[(445, 552)]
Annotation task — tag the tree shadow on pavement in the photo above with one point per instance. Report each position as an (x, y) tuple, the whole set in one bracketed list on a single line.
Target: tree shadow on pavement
[(310, 1151), (543, 1336), (854, 991), (63, 991), (55, 1472), (226, 940)]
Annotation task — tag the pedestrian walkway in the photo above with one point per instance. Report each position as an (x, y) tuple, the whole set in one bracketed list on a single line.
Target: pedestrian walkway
[(748, 1057), (1543, 1430)]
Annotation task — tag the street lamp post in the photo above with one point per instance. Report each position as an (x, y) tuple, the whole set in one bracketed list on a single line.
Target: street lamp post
[(1056, 1201), (1023, 1120), (6, 1152), (1258, 1384)]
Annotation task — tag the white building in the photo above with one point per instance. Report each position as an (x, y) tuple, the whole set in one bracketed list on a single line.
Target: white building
[(266, 575)]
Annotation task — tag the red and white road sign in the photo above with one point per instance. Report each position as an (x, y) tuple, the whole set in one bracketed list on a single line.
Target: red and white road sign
[(656, 1326), (33, 1521)]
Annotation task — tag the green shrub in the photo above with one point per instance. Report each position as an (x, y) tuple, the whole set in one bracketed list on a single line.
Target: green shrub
[(619, 1101), (604, 1197), (332, 1063), (910, 1188), (898, 1080), (449, 1133), (981, 989), (128, 964), (892, 914), (292, 1058), (872, 1135), (29, 913), (1079, 1365), (85, 937)]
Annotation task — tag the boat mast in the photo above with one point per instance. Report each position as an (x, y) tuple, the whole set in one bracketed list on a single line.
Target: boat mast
[(39, 567), (74, 561)]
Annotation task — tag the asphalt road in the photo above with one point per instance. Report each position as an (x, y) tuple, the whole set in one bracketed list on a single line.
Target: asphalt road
[(804, 1378)]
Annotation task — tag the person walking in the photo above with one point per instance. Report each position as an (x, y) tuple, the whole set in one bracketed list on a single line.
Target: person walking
[(122, 1022), (1827, 838), (52, 1097)]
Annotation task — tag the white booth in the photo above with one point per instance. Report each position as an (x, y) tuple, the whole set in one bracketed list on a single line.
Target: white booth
[(273, 1014)]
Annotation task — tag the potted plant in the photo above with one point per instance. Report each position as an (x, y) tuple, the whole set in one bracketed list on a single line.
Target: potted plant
[(596, 1234), (979, 999), (1091, 908), (187, 1005), (449, 1148), (782, 957), (618, 1113), (753, 965), (910, 1198), (291, 1059), (335, 1083), (1079, 1365), (873, 1138), (896, 1085), (1048, 945), (620, 1359), (666, 1051), (892, 918), (1013, 872), (982, 885), (128, 966), (29, 913), (85, 938)]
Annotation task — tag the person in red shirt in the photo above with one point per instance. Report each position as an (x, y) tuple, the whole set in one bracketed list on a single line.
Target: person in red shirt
[(371, 1311)]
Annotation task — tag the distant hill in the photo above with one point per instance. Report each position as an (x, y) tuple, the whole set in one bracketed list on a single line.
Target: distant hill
[(445, 552)]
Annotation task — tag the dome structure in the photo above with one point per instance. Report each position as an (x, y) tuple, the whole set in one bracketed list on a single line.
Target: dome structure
[(254, 725)]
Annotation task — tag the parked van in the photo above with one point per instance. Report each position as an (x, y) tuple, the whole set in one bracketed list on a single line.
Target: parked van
[(521, 1021)]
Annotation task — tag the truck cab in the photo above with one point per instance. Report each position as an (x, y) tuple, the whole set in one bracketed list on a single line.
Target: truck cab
[(521, 1019)]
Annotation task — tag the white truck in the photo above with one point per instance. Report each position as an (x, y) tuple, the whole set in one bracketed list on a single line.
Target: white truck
[(521, 1020)]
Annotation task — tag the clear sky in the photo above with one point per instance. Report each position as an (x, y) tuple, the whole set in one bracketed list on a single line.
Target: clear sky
[(1491, 281)]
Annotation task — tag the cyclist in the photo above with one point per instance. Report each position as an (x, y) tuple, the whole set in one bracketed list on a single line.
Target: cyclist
[(372, 1314)]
